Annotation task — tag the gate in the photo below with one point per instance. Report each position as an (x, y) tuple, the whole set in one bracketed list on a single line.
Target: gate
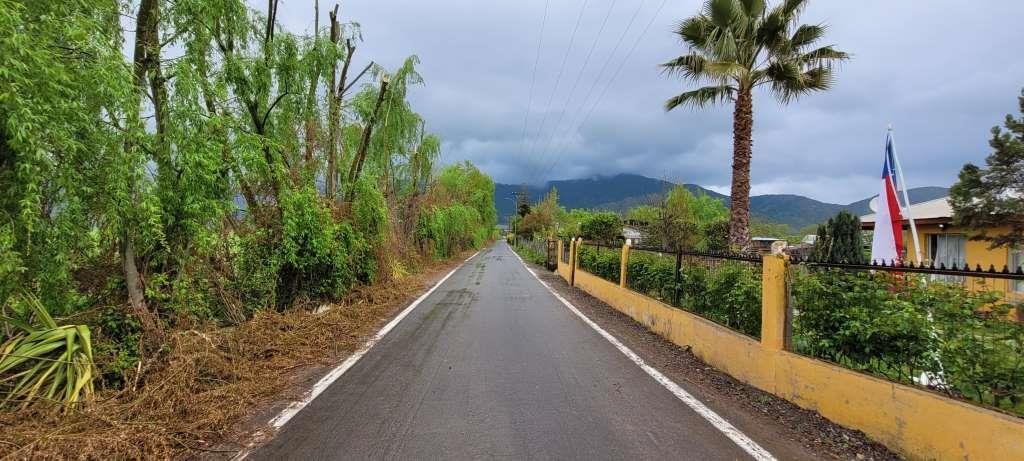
[(551, 262)]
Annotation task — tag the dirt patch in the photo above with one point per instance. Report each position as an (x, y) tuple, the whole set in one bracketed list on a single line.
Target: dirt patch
[(783, 428), (212, 387)]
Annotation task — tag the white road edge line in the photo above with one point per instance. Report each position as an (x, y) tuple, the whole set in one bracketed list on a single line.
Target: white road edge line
[(294, 408), (742, 440)]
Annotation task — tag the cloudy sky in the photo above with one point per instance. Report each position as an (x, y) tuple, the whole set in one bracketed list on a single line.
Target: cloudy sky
[(943, 72)]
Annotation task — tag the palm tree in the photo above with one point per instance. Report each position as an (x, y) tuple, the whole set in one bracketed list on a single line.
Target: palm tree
[(736, 46)]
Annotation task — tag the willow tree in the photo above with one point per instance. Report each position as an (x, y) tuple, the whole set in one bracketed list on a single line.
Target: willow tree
[(736, 46)]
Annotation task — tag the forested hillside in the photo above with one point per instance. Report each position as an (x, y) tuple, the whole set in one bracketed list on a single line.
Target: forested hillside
[(219, 168), (622, 192)]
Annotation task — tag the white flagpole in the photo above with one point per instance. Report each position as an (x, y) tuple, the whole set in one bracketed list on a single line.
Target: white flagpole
[(906, 199)]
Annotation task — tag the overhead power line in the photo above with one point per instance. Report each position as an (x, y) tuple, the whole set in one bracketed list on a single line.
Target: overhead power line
[(558, 80), (579, 76), (615, 76), (607, 61), (533, 80)]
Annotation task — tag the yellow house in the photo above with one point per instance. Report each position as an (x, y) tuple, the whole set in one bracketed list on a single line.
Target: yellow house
[(941, 242)]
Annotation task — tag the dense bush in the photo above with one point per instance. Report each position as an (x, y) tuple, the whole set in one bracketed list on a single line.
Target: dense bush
[(729, 294), (726, 292), (652, 275), (602, 262), (901, 327), (313, 257)]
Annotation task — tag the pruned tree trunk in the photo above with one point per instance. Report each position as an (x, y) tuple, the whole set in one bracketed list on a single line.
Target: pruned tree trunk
[(337, 95), (364, 144), (311, 128), (743, 125)]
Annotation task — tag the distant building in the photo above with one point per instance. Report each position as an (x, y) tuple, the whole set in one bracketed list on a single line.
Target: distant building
[(941, 242), (633, 234), (764, 244)]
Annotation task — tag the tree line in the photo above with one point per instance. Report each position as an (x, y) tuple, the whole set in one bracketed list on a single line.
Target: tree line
[(192, 160)]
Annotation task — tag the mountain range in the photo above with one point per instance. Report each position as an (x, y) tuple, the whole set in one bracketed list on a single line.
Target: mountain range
[(624, 191)]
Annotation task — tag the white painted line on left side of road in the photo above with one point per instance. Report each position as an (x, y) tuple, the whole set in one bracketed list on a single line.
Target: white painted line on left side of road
[(739, 438), (294, 408)]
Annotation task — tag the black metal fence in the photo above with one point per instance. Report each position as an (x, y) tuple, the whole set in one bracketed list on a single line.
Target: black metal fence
[(600, 259), (719, 286), (566, 248), (955, 330)]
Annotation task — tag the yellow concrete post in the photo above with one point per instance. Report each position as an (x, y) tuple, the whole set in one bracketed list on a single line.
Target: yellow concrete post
[(624, 264), (773, 302)]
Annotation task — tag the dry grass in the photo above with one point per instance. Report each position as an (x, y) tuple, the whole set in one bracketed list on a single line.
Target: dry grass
[(206, 381)]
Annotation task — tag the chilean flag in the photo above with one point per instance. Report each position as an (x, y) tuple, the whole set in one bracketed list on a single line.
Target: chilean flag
[(887, 244)]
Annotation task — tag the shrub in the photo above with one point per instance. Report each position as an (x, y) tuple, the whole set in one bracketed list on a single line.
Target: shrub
[(854, 319), (44, 361), (899, 327), (602, 262), (313, 257), (729, 294), (652, 275)]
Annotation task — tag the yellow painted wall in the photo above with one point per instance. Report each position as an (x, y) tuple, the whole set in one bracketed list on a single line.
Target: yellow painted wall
[(910, 421)]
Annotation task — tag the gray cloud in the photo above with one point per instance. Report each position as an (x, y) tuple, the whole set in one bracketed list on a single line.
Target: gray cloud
[(943, 72)]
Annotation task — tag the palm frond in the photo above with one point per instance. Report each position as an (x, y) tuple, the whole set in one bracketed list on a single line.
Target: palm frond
[(806, 35), (696, 67), (695, 31), (701, 97), (723, 13), (824, 56), (753, 8), (789, 82)]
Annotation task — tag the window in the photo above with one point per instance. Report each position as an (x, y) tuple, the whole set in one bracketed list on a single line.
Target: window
[(948, 250), (1017, 261)]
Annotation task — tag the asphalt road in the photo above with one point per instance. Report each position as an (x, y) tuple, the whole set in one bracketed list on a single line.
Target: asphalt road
[(492, 365)]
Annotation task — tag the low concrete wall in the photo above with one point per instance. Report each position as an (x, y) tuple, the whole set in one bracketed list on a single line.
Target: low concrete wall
[(913, 422)]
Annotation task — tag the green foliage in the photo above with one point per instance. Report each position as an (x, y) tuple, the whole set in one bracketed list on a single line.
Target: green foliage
[(44, 361), (716, 236), (985, 199), (726, 292), (687, 221), (840, 241), (899, 327), (463, 216), (193, 178), (543, 218), (370, 211), (737, 46), (116, 346), (652, 275), (603, 227), (602, 262), (645, 214), (535, 252), (314, 257)]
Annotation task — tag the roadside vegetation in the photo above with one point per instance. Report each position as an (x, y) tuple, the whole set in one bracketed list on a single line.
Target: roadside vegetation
[(176, 224)]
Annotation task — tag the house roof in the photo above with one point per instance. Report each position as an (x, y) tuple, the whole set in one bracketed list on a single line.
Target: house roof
[(937, 209)]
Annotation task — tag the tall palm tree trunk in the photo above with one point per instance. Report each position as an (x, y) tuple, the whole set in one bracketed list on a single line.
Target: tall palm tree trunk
[(743, 126)]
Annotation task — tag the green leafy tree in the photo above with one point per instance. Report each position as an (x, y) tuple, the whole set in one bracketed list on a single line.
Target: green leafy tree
[(736, 46), (602, 227), (683, 219), (990, 200), (839, 240)]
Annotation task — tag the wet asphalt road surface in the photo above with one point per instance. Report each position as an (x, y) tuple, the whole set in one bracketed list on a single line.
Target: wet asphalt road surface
[(492, 366)]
